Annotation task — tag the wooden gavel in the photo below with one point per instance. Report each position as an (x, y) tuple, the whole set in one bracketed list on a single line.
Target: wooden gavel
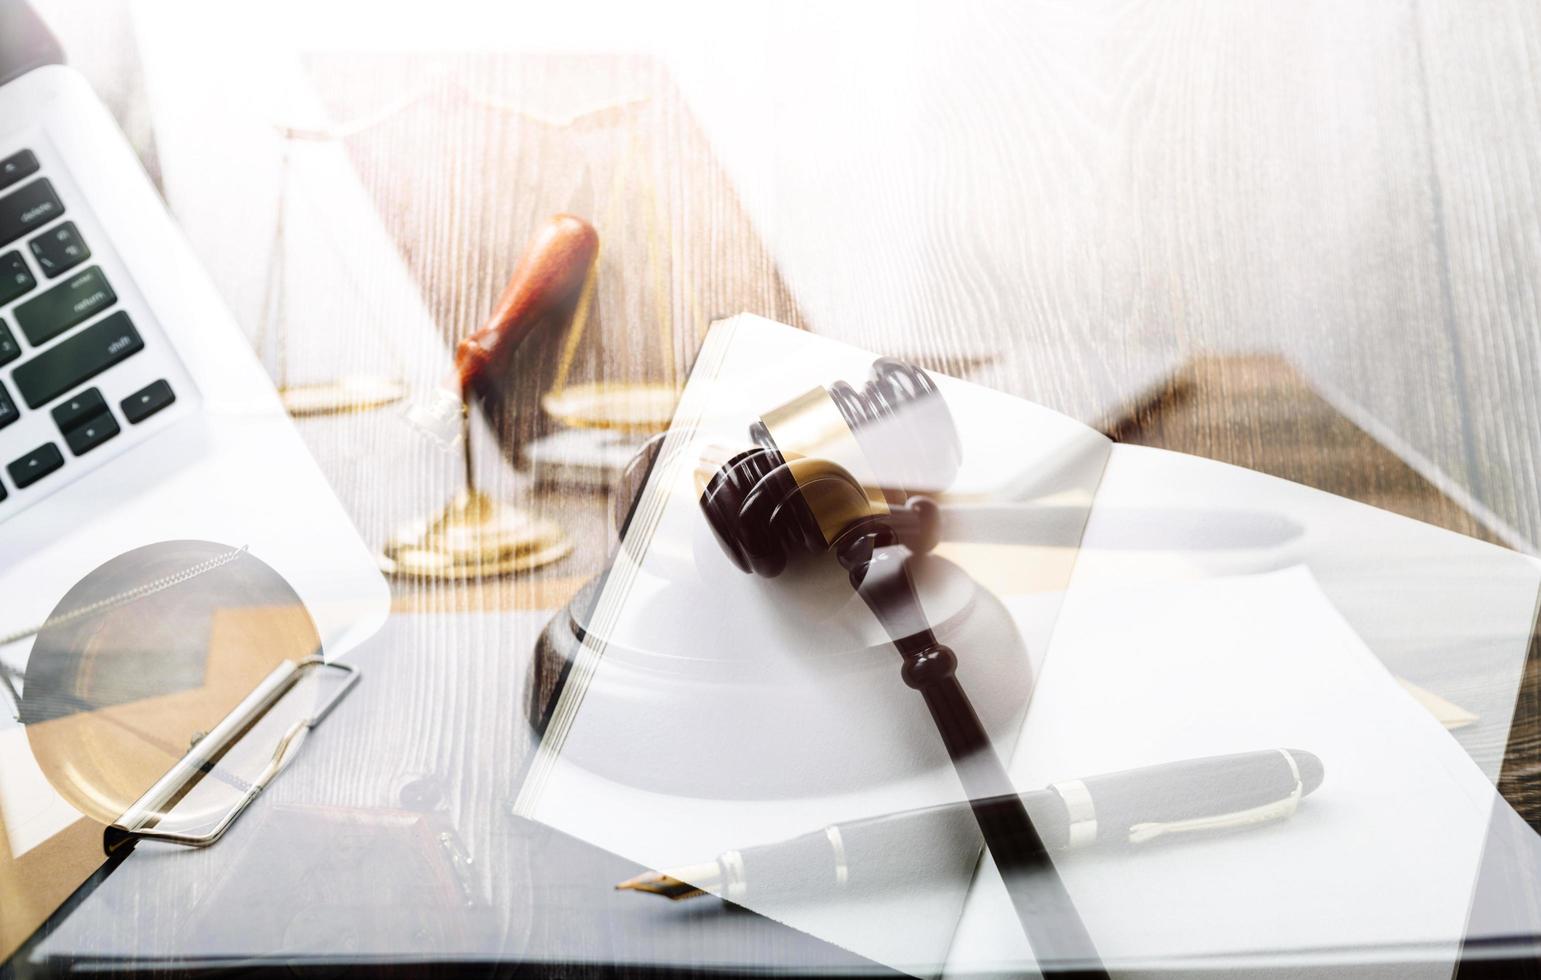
[(777, 503)]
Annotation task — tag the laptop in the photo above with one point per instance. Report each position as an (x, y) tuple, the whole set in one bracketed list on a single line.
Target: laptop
[(132, 409)]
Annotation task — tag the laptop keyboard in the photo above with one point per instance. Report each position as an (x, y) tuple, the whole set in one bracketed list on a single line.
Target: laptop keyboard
[(62, 329)]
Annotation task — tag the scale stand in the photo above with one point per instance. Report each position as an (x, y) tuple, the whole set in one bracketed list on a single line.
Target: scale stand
[(475, 536)]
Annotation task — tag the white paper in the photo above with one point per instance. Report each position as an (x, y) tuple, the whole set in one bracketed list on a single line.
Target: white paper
[(1379, 861), (1443, 610)]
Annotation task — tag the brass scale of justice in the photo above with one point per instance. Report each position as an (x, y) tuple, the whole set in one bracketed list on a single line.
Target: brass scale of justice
[(475, 535)]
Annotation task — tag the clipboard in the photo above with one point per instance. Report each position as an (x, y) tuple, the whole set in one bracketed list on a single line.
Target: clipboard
[(148, 707)]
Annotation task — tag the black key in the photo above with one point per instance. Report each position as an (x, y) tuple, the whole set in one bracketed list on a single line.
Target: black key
[(16, 166), (31, 207), (77, 360), (2, 491), (77, 298), (88, 435), (10, 350), (35, 465), (81, 408), (15, 278), (59, 248), (147, 401), (8, 410)]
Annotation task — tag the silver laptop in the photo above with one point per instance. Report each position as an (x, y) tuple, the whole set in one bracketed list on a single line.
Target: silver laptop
[(132, 410)]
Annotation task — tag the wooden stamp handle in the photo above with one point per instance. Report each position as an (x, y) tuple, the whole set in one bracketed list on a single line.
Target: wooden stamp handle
[(548, 280)]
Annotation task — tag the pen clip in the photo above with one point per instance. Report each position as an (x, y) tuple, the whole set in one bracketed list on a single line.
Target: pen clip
[(1140, 833)]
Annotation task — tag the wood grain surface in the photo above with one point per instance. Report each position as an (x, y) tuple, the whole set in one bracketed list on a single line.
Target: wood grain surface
[(1185, 222)]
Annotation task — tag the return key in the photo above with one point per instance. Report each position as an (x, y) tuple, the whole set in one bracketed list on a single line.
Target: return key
[(78, 297)]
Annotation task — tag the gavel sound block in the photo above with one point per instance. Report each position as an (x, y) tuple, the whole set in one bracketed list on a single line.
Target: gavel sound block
[(671, 668)]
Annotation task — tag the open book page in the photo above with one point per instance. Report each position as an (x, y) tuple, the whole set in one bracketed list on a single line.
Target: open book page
[(1199, 648), (713, 710)]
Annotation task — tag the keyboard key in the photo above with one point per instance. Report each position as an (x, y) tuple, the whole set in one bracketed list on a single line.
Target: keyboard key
[(147, 401), (89, 435), (31, 207), (77, 360), (35, 465), (16, 166), (8, 410), (78, 298), (59, 248), (81, 408), (2, 491), (10, 350), (15, 278)]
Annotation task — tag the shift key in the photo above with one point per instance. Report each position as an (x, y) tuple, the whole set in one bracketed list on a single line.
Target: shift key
[(77, 359), (77, 298)]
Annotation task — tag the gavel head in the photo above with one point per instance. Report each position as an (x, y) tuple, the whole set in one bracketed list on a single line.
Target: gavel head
[(789, 497)]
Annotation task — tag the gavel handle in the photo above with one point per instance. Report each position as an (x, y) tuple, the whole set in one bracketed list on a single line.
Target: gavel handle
[(880, 574), (1049, 919)]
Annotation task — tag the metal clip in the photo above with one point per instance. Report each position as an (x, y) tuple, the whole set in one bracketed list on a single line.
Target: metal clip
[(1141, 832), (140, 819)]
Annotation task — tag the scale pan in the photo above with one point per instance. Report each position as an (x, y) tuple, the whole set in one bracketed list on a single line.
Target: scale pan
[(630, 407), (344, 396)]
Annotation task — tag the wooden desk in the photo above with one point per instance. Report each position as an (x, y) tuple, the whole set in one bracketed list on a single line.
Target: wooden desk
[(1351, 194)]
